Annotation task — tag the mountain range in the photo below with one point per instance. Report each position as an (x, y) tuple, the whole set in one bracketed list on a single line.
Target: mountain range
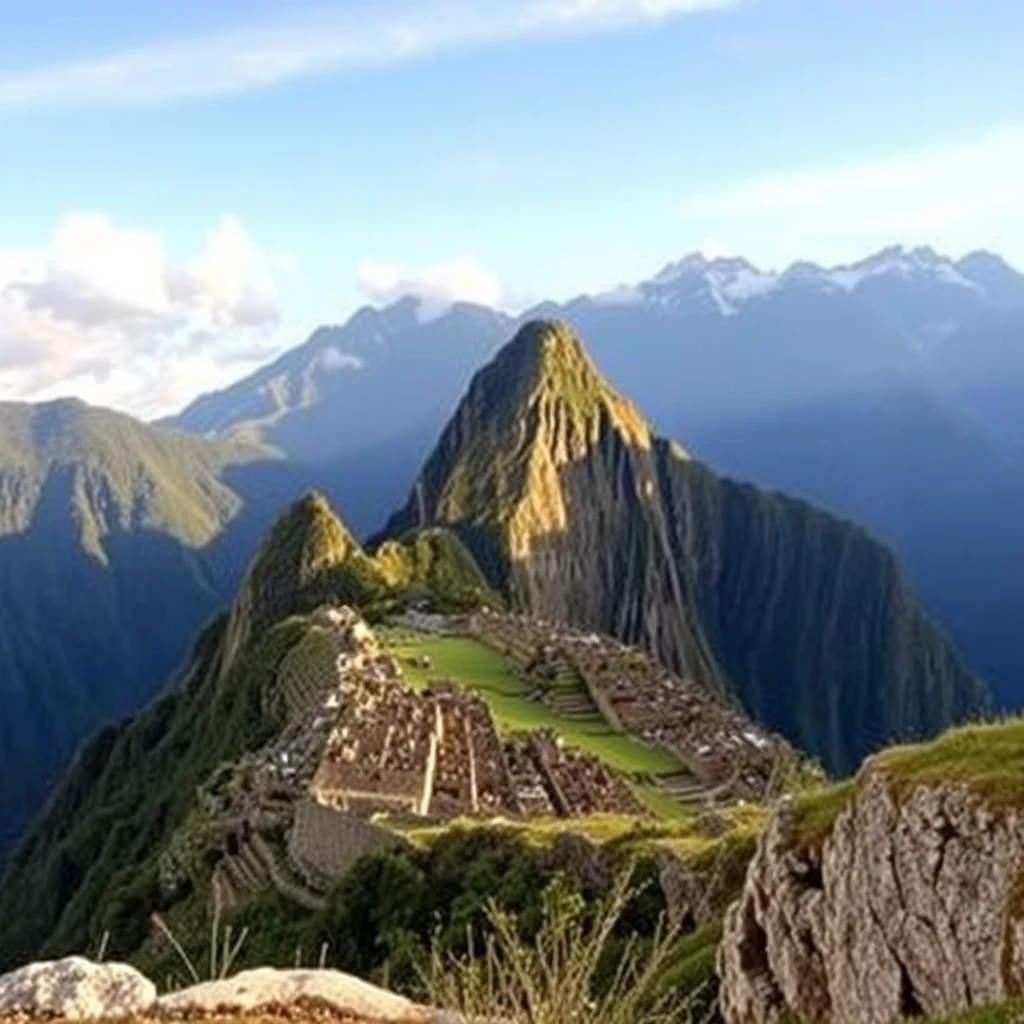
[(888, 391), (547, 491), (117, 541)]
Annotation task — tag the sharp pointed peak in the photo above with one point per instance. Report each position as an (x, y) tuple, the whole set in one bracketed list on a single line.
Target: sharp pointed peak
[(548, 339), (290, 569)]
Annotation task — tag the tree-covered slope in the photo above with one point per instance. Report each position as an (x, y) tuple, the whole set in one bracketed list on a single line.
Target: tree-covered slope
[(577, 512), (117, 541), (90, 862)]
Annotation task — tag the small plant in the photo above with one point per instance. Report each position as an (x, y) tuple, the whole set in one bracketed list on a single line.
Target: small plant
[(224, 946), (554, 979)]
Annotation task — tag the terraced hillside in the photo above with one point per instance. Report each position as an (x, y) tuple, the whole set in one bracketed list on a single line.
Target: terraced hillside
[(288, 699), (605, 699)]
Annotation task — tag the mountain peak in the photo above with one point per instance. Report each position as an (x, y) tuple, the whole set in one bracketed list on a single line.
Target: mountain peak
[(546, 365), (291, 568), (535, 413), (543, 347)]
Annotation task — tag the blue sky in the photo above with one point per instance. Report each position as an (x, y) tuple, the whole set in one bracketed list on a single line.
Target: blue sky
[(188, 187)]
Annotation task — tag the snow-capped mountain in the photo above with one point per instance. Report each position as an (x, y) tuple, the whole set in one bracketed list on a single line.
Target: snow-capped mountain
[(727, 285)]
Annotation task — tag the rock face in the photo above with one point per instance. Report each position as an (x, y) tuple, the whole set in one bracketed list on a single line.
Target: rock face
[(265, 987), (911, 907), (76, 989), (580, 515)]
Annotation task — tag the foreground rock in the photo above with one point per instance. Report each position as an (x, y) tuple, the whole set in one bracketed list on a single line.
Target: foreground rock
[(910, 907), (265, 987), (76, 989)]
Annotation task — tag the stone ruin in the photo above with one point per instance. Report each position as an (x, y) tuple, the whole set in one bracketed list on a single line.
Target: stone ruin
[(723, 748), (357, 740), (439, 754)]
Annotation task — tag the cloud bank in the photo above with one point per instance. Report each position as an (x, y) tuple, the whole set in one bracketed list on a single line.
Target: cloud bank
[(378, 33), (437, 287), (102, 312)]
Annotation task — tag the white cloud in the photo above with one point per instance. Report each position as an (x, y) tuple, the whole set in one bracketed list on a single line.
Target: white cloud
[(253, 58), (955, 196), (102, 313), (437, 286), (336, 359)]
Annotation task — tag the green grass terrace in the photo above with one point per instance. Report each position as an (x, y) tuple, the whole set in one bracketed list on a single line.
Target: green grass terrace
[(514, 702)]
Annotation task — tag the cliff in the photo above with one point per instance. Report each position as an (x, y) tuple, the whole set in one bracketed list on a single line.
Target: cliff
[(896, 896)]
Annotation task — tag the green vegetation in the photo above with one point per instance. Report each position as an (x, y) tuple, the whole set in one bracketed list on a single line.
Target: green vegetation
[(986, 758), (816, 811), (989, 759), (400, 912), (434, 568), (476, 666), (118, 542), (91, 863), (561, 973), (1004, 1013), (125, 475)]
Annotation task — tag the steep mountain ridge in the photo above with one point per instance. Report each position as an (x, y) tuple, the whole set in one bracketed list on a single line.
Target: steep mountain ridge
[(96, 847), (117, 541), (578, 513), (121, 475)]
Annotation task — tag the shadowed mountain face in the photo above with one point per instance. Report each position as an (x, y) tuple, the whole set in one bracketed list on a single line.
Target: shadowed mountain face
[(117, 542), (577, 512)]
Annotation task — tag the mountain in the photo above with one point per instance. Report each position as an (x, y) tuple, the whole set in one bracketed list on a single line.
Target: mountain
[(888, 391), (765, 340), (577, 512), (117, 541), (360, 401), (299, 746)]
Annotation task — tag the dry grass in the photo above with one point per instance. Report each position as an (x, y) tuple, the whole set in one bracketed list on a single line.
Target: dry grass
[(553, 978)]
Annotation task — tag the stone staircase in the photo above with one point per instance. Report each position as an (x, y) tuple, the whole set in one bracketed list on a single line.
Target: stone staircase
[(682, 786)]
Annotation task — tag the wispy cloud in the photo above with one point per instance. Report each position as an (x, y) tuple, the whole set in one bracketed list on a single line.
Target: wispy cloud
[(437, 286), (944, 194), (257, 57)]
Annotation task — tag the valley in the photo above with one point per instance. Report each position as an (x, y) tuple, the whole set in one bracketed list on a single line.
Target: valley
[(511, 512), (540, 673)]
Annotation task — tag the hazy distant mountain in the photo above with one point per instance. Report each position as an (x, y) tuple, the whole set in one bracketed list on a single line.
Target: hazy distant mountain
[(116, 542), (884, 390), (579, 513), (889, 391), (748, 341), (361, 401)]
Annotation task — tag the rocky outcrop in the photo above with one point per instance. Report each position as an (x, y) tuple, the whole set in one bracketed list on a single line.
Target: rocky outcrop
[(911, 907), (76, 989), (265, 987), (79, 990)]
